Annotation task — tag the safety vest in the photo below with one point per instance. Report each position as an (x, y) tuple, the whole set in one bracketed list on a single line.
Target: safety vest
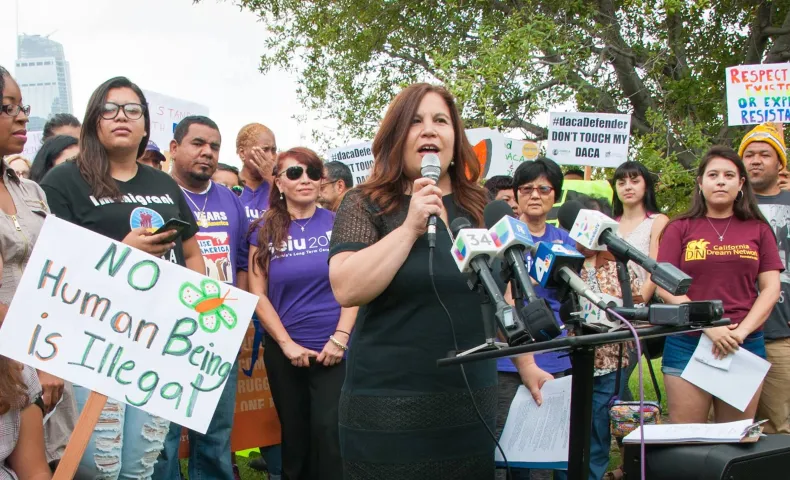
[(571, 190)]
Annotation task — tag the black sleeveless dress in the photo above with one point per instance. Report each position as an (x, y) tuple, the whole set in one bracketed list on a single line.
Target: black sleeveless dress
[(402, 416)]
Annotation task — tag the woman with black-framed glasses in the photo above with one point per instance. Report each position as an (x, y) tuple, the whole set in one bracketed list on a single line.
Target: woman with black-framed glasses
[(307, 330), (107, 191)]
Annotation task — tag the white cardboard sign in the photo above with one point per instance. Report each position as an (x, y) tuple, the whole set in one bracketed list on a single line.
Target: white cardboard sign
[(758, 94), (594, 139), (358, 157), (128, 325)]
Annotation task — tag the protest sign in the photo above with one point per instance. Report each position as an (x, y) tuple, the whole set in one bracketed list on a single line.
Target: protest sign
[(358, 157), (33, 145), (498, 154), (166, 112), (758, 94), (594, 139), (125, 324), (255, 422)]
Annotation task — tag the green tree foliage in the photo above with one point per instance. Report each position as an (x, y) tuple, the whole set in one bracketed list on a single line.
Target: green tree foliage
[(510, 61)]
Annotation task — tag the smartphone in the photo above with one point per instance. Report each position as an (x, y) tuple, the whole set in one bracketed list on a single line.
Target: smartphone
[(173, 224)]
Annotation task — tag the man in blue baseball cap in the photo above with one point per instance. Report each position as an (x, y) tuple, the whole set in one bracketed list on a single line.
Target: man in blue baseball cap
[(152, 156)]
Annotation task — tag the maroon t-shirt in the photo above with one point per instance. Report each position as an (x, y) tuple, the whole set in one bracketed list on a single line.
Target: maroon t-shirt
[(722, 270)]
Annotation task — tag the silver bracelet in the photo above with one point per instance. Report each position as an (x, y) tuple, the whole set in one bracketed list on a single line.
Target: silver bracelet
[(337, 343)]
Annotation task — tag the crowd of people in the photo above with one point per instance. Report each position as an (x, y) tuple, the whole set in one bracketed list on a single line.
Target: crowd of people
[(353, 322)]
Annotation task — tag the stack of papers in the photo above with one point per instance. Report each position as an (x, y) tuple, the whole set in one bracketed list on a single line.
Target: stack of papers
[(733, 432), (537, 436)]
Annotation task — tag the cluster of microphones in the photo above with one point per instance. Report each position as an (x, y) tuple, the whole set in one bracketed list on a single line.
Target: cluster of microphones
[(477, 251)]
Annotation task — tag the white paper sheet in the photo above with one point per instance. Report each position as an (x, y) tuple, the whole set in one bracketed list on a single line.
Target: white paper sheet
[(704, 354), (692, 432), (537, 437), (735, 386)]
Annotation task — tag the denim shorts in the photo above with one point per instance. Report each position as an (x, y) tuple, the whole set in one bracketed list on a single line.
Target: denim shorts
[(679, 349)]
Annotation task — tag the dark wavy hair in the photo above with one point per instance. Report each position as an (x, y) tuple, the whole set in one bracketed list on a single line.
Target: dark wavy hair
[(633, 169), (47, 154), (745, 208), (387, 181), (56, 121), (274, 224), (93, 161)]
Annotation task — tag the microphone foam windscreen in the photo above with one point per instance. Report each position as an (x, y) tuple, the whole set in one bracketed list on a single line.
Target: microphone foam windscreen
[(458, 224), (496, 211), (567, 214)]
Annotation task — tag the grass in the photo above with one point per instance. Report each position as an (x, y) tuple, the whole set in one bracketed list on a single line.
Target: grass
[(245, 471), (248, 473)]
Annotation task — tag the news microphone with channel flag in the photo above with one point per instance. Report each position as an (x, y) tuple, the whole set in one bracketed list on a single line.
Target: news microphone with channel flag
[(555, 265), (594, 230), (472, 250), (513, 240), (431, 168)]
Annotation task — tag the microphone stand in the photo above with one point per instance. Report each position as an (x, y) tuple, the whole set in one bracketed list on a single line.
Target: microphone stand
[(488, 310)]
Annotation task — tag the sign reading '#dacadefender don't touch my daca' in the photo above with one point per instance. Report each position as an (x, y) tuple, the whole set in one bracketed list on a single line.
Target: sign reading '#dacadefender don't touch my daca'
[(125, 324)]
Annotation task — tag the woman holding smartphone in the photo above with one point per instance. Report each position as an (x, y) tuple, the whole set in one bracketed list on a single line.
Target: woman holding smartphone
[(107, 191)]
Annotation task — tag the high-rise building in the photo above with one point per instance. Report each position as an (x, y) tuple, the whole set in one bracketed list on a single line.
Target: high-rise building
[(44, 77)]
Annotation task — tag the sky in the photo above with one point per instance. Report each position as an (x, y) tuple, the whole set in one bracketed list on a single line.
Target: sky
[(207, 53)]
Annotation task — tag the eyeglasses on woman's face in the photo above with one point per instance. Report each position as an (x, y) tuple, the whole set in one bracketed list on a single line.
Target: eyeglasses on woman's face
[(12, 110), (133, 111), (543, 190)]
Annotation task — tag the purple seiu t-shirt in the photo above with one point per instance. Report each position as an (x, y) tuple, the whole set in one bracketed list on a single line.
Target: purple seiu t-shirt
[(298, 284), (551, 362), (255, 202), (222, 237)]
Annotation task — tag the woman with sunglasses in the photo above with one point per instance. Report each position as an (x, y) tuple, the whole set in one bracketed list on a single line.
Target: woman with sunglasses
[(22, 453), (103, 190), (307, 330)]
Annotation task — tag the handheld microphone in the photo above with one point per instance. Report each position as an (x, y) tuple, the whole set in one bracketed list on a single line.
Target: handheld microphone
[(472, 251), (512, 238), (596, 231), (431, 168)]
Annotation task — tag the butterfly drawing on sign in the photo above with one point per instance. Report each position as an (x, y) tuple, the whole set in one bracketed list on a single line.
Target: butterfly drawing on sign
[(207, 302)]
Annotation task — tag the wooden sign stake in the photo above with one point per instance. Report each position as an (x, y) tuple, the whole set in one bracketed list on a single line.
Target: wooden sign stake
[(80, 437)]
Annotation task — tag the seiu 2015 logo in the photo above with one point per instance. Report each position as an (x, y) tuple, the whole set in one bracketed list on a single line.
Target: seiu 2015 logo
[(307, 243)]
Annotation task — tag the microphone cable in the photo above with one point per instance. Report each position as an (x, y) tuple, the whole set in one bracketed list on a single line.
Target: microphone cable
[(641, 389), (463, 371)]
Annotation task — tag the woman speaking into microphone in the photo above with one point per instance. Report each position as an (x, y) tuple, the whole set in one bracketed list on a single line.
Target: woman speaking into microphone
[(402, 416)]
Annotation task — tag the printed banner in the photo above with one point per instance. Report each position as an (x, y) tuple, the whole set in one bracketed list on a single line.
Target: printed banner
[(594, 139), (498, 155), (358, 157), (125, 324), (166, 112), (758, 94)]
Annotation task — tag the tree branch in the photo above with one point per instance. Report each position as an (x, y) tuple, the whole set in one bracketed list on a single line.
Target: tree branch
[(780, 51)]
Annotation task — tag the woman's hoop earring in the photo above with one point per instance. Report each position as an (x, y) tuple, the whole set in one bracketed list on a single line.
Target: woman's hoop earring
[(739, 197)]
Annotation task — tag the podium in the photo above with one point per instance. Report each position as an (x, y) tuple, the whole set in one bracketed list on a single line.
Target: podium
[(582, 353)]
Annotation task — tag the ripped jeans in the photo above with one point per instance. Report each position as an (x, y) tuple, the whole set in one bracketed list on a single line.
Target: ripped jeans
[(125, 443)]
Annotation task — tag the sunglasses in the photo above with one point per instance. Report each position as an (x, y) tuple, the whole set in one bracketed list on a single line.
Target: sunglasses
[(543, 190), (295, 172)]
